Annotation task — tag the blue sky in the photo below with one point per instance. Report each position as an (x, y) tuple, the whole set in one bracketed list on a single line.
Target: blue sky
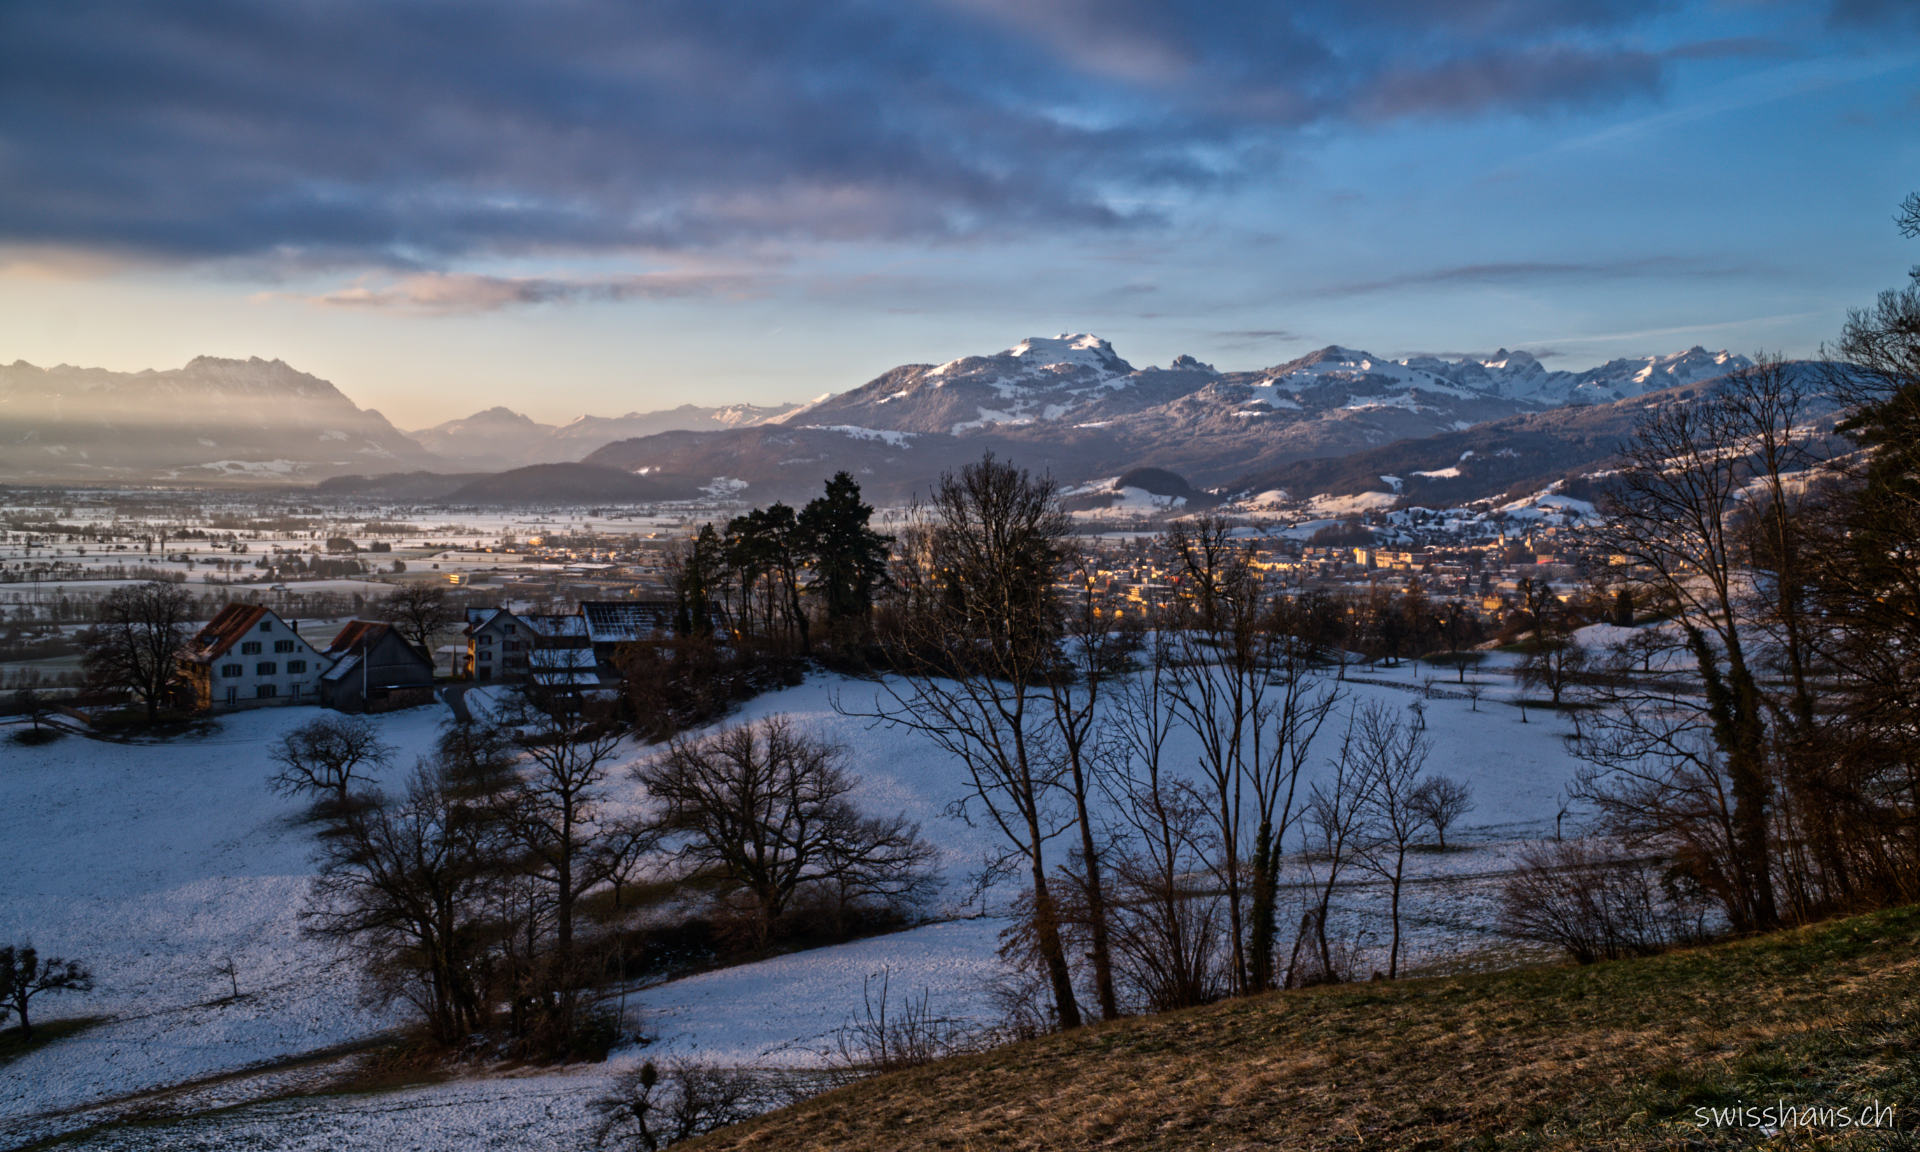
[(581, 206)]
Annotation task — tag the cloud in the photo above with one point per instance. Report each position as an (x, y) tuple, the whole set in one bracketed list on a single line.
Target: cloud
[(423, 135), (1519, 273), (1872, 14), (1251, 337), (457, 293), (1548, 77)]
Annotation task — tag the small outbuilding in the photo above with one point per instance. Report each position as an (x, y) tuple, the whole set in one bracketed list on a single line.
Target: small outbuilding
[(375, 670)]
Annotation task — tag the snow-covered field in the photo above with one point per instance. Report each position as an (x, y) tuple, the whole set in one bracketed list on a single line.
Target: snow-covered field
[(155, 862)]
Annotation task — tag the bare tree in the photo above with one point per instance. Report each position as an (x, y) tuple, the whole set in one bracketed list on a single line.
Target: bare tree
[(1335, 832), (624, 844), (1165, 918), (554, 804), (417, 611), (650, 1109), (408, 886), (1240, 685), (137, 639), (1592, 902), (886, 1035), (1440, 801), (1683, 492), (1554, 662), (1092, 652), (766, 804), (974, 634), (226, 966), (1218, 690), (1395, 754), (325, 757), (25, 975)]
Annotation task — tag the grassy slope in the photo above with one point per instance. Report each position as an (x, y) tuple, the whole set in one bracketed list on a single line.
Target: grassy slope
[(1613, 1056)]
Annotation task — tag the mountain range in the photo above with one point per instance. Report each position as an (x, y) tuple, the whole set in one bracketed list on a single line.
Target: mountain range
[(501, 437), (1069, 405)]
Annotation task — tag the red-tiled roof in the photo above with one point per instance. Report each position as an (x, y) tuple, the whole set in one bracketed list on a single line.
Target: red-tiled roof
[(220, 634)]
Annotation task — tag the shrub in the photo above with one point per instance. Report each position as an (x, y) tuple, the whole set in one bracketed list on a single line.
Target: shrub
[(1595, 904)]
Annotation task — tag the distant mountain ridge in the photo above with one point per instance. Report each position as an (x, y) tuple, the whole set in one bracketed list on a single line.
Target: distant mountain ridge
[(1069, 405), (212, 421), (502, 438), (1072, 405)]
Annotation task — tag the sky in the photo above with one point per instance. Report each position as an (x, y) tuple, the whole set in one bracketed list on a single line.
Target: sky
[(604, 206)]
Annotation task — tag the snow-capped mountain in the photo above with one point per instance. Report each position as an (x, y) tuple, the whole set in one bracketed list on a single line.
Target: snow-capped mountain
[(1071, 405), (1064, 379), (1520, 376), (1080, 381), (212, 420)]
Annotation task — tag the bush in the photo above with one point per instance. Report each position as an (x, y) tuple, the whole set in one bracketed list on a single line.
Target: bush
[(650, 1107), (1596, 905)]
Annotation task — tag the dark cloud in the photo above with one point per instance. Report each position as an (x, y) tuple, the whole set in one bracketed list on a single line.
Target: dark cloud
[(415, 134)]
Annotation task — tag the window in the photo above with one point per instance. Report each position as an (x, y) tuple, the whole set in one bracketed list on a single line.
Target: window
[(296, 666), (486, 641), (266, 625), (283, 645), (266, 692), (250, 648), (232, 670), (265, 668)]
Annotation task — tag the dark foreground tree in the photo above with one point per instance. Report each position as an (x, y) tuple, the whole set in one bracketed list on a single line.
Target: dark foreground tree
[(24, 975), (137, 640), (1676, 511), (974, 637), (406, 886)]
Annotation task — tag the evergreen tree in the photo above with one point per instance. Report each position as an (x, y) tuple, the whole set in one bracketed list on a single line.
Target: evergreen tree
[(699, 571), (849, 557)]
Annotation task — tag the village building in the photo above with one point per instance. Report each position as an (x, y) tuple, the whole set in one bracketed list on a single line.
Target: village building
[(374, 669), (498, 645), (611, 623), (248, 657)]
